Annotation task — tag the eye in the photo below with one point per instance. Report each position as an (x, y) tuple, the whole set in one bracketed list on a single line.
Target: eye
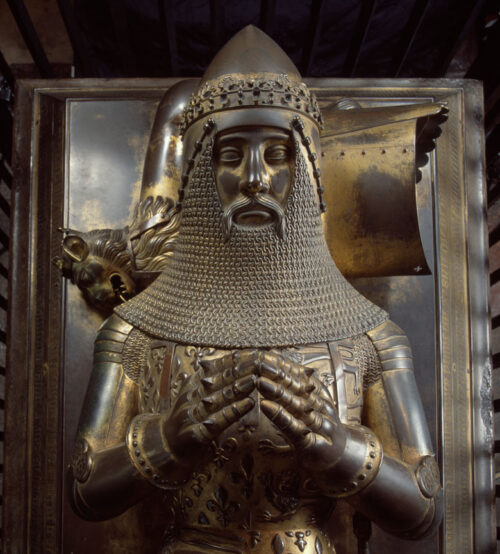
[(229, 155), (85, 279), (277, 153)]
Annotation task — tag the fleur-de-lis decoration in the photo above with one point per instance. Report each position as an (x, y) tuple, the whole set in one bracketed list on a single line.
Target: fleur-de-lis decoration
[(222, 506), (197, 353), (179, 506), (197, 482), (220, 457)]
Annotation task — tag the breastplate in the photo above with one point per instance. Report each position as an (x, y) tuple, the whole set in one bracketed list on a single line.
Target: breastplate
[(250, 494)]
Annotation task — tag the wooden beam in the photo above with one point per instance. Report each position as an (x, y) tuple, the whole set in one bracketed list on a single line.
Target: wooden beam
[(168, 19), (30, 37), (409, 33), (313, 36), (358, 38)]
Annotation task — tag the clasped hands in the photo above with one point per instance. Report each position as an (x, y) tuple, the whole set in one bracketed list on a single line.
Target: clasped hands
[(297, 403)]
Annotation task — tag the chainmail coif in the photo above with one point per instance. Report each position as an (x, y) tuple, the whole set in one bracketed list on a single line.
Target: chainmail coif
[(256, 289)]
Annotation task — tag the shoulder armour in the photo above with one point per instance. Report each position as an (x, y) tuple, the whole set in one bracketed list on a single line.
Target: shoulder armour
[(120, 342), (392, 346), (114, 328), (111, 337)]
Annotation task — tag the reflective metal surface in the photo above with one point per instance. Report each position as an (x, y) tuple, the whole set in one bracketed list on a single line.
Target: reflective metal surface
[(410, 300), (250, 201)]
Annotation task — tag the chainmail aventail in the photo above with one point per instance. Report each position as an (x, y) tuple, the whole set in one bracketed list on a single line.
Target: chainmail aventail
[(256, 289)]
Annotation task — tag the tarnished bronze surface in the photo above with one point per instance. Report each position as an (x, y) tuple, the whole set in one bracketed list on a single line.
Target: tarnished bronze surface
[(372, 226), (370, 157), (162, 165), (110, 266), (410, 300), (257, 436)]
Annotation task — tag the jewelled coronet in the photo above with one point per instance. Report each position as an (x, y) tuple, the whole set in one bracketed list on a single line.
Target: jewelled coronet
[(263, 89)]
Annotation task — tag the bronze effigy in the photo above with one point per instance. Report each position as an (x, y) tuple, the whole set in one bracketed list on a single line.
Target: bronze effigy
[(250, 382)]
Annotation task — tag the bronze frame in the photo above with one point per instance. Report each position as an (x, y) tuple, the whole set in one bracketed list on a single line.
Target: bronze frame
[(33, 460)]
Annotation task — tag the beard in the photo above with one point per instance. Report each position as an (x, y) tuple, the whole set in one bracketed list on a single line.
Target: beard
[(265, 203)]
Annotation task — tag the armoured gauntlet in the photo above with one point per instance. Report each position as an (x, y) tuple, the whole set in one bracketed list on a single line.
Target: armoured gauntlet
[(166, 447)]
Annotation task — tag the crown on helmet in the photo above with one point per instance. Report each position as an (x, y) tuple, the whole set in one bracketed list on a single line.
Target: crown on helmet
[(233, 91), (251, 71)]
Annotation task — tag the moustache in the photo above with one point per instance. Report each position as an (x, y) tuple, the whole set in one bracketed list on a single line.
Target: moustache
[(266, 203)]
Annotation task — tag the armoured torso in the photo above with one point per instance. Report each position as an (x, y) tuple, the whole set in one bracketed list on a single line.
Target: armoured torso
[(249, 494)]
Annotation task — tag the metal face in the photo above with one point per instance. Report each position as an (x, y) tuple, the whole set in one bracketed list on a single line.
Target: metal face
[(253, 170)]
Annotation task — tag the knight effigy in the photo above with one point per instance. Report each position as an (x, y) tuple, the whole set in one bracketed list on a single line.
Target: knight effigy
[(270, 402)]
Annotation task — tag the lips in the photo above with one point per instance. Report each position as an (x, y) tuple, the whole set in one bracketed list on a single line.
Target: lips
[(254, 215)]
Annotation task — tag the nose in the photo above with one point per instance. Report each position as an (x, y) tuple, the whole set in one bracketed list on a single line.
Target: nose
[(256, 180)]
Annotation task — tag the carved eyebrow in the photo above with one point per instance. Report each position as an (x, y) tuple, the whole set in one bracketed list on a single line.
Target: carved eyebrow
[(221, 139), (278, 135), (230, 136)]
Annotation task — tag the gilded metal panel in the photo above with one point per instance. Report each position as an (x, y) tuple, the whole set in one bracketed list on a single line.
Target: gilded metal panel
[(52, 330)]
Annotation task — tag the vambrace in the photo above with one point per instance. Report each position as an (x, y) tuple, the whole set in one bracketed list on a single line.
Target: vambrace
[(105, 481), (404, 497), (400, 501), (111, 486), (110, 481)]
